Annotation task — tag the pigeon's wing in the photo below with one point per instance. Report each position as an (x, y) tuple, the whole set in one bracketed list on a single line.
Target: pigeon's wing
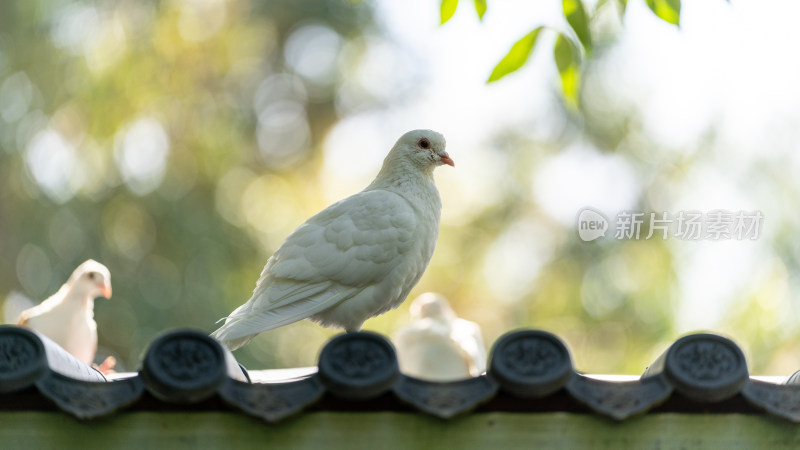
[(46, 306), (349, 246)]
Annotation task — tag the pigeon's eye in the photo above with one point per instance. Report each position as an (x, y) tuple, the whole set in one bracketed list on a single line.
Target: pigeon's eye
[(424, 143), (93, 275)]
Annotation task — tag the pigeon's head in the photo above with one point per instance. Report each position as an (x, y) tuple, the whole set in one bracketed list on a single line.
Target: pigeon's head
[(91, 278), (423, 148), (431, 306)]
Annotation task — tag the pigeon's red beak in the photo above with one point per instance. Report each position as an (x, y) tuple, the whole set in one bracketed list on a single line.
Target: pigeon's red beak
[(446, 159), (107, 290)]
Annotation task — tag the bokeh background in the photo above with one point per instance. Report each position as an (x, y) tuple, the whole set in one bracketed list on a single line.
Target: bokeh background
[(179, 142)]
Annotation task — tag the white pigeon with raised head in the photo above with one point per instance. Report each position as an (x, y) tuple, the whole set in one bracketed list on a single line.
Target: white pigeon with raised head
[(437, 345), (67, 317), (357, 258)]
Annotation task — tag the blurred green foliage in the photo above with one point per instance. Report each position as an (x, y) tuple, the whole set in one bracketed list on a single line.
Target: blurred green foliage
[(139, 126)]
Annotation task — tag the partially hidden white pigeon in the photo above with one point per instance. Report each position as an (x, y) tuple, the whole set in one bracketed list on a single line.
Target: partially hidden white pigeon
[(67, 317), (437, 345), (357, 258)]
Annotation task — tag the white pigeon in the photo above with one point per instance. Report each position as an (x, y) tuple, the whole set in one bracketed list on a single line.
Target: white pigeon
[(357, 258), (67, 317), (437, 345)]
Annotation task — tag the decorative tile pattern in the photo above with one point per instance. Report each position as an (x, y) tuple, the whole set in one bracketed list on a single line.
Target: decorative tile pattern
[(782, 400), (448, 399), (274, 401), (22, 358), (530, 363), (619, 399), (704, 367), (358, 365), (184, 366), (87, 400), (533, 368)]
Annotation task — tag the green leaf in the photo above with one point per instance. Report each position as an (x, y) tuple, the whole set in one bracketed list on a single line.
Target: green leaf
[(668, 10), (579, 21), (448, 8), (480, 8), (568, 62), (621, 6), (516, 57)]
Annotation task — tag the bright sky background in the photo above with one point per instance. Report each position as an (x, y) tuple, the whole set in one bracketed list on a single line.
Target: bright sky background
[(728, 64)]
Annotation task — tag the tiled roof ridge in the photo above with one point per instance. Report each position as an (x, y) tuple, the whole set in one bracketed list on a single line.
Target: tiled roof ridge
[(529, 370)]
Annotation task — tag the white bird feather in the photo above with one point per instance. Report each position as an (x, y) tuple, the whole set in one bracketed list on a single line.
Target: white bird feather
[(357, 258), (437, 345), (67, 317)]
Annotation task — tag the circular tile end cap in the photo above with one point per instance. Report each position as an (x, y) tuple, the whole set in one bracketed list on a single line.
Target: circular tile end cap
[(22, 358), (184, 366), (358, 365), (531, 363), (706, 367)]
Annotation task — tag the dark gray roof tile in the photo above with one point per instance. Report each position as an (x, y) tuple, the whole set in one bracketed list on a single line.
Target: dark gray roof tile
[(529, 371)]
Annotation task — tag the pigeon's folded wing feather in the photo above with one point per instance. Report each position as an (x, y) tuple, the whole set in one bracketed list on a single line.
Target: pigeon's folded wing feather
[(351, 245), (354, 242)]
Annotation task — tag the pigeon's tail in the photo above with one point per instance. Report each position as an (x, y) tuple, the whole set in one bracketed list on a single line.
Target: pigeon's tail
[(234, 344), (223, 335), (231, 344), (243, 323)]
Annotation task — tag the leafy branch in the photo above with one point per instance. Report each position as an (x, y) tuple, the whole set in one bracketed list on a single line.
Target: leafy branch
[(569, 48)]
